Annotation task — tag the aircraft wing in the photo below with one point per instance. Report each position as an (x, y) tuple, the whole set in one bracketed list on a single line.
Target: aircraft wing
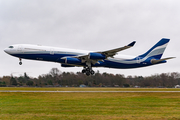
[(111, 53), (94, 57)]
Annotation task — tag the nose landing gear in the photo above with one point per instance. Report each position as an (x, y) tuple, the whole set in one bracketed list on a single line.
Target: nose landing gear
[(20, 63)]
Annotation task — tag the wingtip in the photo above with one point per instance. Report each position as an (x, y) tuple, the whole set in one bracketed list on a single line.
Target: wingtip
[(132, 44)]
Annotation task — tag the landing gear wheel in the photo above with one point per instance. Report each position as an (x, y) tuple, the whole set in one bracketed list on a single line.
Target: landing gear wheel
[(88, 71), (83, 71), (92, 72)]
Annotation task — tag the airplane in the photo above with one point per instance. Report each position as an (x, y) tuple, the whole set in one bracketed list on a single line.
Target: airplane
[(88, 59)]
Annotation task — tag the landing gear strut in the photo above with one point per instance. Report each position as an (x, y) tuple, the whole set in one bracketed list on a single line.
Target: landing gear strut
[(20, 63), (88, 71)]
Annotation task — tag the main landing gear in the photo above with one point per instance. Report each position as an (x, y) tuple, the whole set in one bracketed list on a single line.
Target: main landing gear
[(88, 71), (20, 63)]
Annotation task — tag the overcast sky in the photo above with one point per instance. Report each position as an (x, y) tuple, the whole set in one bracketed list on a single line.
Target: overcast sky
[(95, 25)]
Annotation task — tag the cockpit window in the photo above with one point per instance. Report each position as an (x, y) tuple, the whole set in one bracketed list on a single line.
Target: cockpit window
[(11, 47)]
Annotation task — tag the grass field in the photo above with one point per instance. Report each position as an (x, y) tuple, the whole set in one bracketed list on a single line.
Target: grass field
[(89, 106), (84, 89)]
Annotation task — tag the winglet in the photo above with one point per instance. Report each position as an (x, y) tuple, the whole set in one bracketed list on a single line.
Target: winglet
[(132, 44)]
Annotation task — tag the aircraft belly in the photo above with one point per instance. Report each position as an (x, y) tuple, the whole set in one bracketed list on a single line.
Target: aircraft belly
[(122, 65)]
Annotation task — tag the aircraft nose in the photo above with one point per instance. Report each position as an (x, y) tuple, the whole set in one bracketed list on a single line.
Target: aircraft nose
[(6, 50)]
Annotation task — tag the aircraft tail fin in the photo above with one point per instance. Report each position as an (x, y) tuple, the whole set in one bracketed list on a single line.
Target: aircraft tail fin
[(157, 50)]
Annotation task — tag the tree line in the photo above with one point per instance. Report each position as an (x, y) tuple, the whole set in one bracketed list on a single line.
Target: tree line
[(56, 78)]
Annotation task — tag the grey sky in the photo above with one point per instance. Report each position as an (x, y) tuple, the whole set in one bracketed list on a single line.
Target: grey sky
[(90, 25)]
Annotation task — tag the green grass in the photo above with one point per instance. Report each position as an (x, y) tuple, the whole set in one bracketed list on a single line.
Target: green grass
[(85, 89), (89, 106)]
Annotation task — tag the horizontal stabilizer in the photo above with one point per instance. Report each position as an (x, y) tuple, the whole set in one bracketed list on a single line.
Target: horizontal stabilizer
[(153, 61)]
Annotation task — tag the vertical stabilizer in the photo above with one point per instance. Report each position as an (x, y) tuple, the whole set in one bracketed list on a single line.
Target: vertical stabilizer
[(157, 50)]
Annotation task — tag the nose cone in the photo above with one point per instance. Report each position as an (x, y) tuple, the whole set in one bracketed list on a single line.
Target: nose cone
[(6, 50)]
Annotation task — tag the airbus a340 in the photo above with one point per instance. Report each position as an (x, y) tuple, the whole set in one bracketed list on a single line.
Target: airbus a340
[(87, 59)]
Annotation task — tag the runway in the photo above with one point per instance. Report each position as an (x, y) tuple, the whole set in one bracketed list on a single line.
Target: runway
[(19, 91)]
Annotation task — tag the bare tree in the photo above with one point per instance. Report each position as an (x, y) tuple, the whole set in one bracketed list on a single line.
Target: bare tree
[(55, 72)]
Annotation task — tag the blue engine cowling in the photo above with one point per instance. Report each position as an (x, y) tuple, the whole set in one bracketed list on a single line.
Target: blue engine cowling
[(70, 60), (96, 56)]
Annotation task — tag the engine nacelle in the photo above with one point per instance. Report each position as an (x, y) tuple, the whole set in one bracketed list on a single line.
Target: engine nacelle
[(70, 60), (96, 56)]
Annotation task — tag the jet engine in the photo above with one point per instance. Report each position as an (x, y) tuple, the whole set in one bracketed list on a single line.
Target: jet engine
[(96, 56), (70, 60)]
